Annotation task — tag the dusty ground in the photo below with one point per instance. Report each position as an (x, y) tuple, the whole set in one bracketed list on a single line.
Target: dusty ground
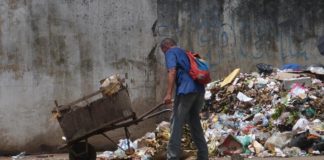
[(65, 157)]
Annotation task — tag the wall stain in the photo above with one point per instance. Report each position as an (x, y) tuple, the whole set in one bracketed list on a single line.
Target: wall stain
[(12, 4), (4, 140), (58, 54), (41, 47), (153, 28), (14, 68), (126, 62), (1, 47), (151, 58), (86, 63)]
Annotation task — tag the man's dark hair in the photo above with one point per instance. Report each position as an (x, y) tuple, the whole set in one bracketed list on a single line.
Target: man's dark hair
[(166, 41)]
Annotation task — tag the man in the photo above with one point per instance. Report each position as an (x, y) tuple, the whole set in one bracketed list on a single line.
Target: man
[(189, 98)]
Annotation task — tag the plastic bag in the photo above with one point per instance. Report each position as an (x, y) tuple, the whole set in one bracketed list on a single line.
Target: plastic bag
[(264, 68), (278, 140), (242, 97), (19, 156), (301, 125)]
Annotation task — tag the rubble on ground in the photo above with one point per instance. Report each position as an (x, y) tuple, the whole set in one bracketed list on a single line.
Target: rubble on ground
[(255, 115)]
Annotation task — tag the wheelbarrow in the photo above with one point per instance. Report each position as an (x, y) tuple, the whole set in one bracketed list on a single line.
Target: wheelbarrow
[(103, 114)]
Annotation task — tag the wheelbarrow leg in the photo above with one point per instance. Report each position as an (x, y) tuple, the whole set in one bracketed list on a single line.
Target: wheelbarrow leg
[(127, 134), (82, 151), (129, 150), (103, 134)]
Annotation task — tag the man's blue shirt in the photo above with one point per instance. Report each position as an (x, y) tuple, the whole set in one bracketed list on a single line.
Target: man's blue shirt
[(177, 58)]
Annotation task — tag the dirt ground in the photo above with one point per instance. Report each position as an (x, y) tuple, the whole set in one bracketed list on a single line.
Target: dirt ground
[(65, 157)]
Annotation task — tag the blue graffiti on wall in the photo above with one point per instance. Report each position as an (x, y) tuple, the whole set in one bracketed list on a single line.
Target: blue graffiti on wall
[(215, 36)]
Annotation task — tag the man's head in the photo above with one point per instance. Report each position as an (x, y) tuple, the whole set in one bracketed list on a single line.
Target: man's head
[(167, 43)]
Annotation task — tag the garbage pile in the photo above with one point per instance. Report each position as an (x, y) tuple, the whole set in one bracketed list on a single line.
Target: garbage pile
[(279, 114), (254, 115)]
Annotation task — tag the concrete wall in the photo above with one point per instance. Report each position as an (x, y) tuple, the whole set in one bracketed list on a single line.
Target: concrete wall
[(241, 33), (60, 49)]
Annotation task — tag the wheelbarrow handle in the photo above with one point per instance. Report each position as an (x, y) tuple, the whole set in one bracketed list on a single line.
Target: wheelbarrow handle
[(151, 111), (156, 113)]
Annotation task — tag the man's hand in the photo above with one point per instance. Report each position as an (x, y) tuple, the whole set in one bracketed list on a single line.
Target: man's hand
[(167, 99)]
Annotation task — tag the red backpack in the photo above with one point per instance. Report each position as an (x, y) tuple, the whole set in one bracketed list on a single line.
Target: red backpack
[(199, 69)]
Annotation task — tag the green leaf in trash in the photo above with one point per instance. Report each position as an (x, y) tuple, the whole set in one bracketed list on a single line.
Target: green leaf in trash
[(226, 109), (293, 117), (279, 110)]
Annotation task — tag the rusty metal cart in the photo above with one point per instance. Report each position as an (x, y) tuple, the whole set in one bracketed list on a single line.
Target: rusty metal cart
[(97, 117)]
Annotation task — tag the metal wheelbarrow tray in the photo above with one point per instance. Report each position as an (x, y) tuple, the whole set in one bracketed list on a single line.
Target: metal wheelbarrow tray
[(107, 113)]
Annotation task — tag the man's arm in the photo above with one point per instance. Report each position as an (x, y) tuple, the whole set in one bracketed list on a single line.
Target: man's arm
[(171, 81)]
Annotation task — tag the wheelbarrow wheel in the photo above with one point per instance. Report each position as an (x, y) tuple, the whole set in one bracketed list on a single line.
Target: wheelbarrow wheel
[(82, 151)]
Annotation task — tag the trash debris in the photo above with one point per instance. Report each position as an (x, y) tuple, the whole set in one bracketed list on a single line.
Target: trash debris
[(265, 114), (242, 97), (106, 155), (264, 68), (316, 69), (293, 152), (301, 125), (278, 152), (286, 75), (304, 81), (291, 67), (278, 140), (111, 84), (258, 148), (304, 140), (245, 141), (19, 156), (231, 146), (230, 77)]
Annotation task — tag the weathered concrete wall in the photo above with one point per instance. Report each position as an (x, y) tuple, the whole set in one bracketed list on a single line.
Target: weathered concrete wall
[(59, 50), (242, 33)]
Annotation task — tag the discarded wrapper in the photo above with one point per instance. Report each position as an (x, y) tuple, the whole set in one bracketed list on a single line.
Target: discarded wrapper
[(111, 85)]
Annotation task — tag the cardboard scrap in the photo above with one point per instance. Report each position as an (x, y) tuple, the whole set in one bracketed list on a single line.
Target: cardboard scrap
[(285, 75), (230, 77)]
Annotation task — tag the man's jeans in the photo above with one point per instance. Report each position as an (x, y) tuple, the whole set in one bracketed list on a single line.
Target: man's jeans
[(186, 109)]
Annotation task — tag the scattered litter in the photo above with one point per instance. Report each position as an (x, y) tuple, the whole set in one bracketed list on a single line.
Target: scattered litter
[(19, 156), (230, 77), (242, 97), (231, 146), (111, 84), (301, 125), (265, 114)]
